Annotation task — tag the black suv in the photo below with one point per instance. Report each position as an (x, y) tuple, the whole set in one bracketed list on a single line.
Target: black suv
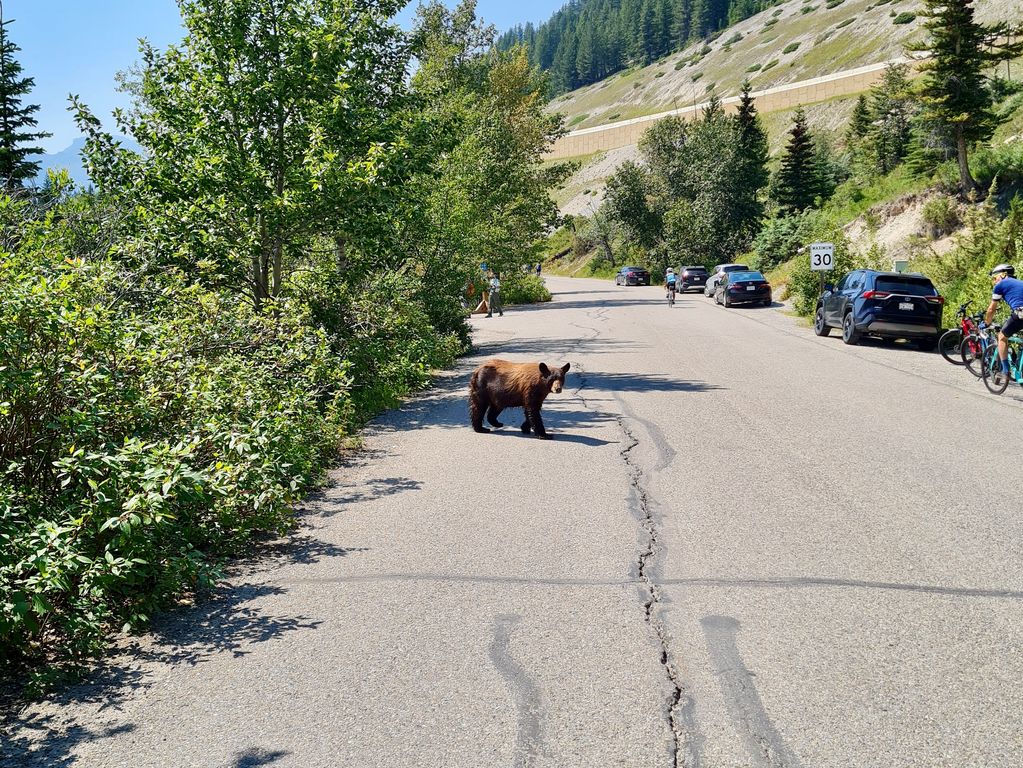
[(891, 305), (692, 277)]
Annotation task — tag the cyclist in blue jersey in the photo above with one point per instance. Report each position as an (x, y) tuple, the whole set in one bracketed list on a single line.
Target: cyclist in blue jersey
[(1010, 290), (670, 279)]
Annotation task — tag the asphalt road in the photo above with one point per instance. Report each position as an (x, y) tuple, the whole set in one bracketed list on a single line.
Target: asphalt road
[(746, 546)]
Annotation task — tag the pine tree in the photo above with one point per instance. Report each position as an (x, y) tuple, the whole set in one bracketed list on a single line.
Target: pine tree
[(859, 121), (752, 142), (955, 90), (796, 184), (889, 129), (16, 121)]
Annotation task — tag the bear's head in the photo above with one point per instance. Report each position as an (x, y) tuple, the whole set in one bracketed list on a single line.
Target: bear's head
[(555, 378)]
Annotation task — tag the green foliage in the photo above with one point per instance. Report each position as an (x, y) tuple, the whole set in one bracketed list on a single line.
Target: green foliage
[(954, 92), (589, 40), (797, 183), (770, 65), (185, 351), (961, 274), (804, 284), (781, 237), (791, 47), (941, 214), (518, 287), (150, 426), (906, 17)]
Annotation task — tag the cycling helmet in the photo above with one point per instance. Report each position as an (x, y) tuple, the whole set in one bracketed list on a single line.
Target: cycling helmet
[(1003, 269), (671, 271)]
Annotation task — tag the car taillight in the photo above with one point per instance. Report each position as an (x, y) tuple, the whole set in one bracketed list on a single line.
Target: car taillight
[(876, 294), (935, 299)]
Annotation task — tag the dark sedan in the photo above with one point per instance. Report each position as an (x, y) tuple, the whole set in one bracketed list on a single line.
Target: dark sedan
[(632, 276), (692, 277), (743, 288)]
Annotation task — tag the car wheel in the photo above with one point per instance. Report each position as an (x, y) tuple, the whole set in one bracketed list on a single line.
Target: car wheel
[(820, 327), (849, 333), (727, 302)]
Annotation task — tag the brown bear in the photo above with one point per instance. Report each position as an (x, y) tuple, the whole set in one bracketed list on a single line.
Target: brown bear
[(498, 384)]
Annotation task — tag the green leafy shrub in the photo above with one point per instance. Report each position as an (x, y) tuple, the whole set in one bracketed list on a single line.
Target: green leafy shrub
[(523, 288), (941, 214), (845, 22), (770, 64), (696, 76), (790, 48), (807, 9), (905, 17), (833, 3), (753, 68)]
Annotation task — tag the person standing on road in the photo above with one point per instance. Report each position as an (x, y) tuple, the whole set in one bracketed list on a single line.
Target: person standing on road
[(538, 269), (1010, 290), (495, 295)]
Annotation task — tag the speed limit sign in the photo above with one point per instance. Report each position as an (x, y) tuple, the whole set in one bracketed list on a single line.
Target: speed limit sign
[(822, 257)]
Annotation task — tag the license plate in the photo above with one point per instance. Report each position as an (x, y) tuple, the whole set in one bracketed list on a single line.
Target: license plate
[(751, 287), (906, 305)]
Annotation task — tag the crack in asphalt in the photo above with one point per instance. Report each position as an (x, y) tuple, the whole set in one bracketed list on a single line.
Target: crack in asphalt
[(680, 709)]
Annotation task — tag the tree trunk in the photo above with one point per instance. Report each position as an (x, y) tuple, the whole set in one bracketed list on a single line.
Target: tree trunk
[(276, 260), (965, 177)]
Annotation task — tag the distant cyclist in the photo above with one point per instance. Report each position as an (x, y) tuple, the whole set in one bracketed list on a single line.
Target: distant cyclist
[(1010, 290), (670, 280)]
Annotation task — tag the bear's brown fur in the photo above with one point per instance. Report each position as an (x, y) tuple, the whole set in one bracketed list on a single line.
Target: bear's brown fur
[(499, 384)]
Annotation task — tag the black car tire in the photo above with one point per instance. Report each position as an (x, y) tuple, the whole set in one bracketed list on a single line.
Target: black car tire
[(768, 302), (927, 343), (820, 327), (849, 333), (727, 302)]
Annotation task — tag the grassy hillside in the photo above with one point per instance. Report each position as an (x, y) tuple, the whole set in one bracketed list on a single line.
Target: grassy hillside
[(797, 40)]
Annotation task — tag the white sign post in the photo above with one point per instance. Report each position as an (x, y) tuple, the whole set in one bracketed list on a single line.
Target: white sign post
[(822, 257)]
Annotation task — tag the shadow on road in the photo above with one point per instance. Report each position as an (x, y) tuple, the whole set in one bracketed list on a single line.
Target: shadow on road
[(230, 622), (255, 757)]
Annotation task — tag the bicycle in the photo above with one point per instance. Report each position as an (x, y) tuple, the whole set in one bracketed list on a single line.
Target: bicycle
[(951, 341), (671, 295), (975, 345), (993, 365)]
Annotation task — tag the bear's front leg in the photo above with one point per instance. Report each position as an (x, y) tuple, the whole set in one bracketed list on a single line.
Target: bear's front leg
[(537, 423), (526, 429)]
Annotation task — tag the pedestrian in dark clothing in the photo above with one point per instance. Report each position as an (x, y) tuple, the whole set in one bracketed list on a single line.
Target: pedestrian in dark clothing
[(495, 295)]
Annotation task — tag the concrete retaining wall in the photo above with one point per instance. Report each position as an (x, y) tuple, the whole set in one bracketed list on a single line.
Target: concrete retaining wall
[(626, 132)]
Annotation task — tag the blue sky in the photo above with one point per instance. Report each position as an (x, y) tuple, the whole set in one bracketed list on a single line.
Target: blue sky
[(77, 46)]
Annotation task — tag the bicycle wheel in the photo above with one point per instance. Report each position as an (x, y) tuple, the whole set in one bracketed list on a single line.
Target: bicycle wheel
[(972, 353), (992, 367), (949, 345)]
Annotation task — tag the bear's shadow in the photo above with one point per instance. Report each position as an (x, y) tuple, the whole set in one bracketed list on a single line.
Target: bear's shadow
[(446, 405)]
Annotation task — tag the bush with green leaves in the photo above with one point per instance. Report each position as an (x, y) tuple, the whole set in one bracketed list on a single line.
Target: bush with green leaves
[(941, 214), (519, 287)]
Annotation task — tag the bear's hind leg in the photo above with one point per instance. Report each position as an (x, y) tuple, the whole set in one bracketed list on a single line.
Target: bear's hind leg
[(526, 428), (492, 413), (476, 411)]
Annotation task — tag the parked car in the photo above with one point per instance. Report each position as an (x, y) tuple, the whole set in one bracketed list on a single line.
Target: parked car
[(632, 276), (717, 273), (742, 288), (890, 305), (692, 277)]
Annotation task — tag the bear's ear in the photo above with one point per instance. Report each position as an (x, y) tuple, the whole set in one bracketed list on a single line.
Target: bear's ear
[(544, 370), (565, 367)]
